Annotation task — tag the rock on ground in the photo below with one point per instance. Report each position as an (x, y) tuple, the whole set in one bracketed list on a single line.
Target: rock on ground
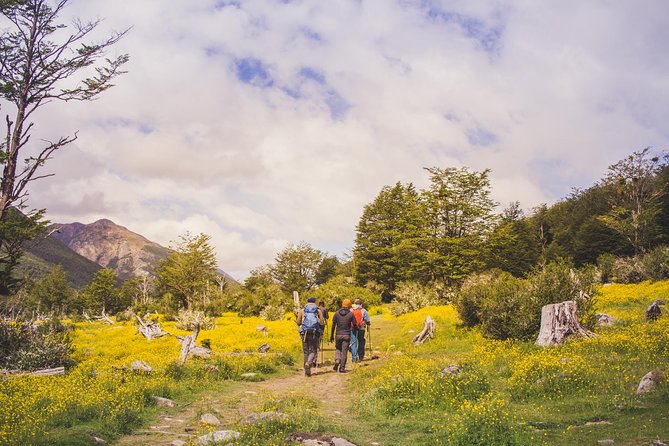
[(209, 419), (217, 437), (649, 381), (264, 416), (163, 402)]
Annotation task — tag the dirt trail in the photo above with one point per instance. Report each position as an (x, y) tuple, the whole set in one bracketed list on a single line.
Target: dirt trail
[(244, 398)]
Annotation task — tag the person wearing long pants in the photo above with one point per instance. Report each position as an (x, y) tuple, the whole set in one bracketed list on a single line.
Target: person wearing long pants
[(343, 322)]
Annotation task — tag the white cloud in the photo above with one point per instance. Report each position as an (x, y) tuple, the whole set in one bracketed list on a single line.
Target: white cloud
[(545, 94)]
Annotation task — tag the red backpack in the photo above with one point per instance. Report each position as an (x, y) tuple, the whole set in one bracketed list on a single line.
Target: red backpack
[(359, 322)]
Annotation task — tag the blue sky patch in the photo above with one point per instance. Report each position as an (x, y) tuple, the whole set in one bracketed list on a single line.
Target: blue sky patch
[(311, 74), (253, 72), (337, 104), (481, 137), (311, 34)]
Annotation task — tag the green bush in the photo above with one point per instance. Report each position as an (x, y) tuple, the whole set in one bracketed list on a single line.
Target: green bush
[(509, 307), (335, 290), (33, 345), (273, 313), (412, 296)]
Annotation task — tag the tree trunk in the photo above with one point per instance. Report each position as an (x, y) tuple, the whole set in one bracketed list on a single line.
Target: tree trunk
[(558, 322), (426, 333), (188, 344)]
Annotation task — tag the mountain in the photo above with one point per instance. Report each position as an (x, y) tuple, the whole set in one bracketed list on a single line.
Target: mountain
[(112, 246), (39, 260)]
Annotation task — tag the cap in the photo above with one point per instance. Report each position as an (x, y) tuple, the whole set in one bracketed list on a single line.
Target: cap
[(346, 303), (311, 299), (357, 301)]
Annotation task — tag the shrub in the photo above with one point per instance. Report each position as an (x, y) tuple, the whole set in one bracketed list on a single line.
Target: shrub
[(187, 319), (272, 313), (509, 307), (411, 296), (31, 345), (335, 290)]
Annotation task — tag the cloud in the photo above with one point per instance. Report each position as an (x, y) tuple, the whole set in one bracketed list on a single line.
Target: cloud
[(263, 123)]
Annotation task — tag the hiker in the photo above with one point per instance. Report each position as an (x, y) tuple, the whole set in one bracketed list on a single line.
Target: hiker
[(343, 322), (362, 322), (324, 312), (310, 320)]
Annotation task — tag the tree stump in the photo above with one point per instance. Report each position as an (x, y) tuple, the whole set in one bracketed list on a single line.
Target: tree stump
[(426, 333), (558, 322), (150, 329)]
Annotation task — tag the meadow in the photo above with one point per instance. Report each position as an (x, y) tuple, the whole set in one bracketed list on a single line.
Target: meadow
[(502, 392)]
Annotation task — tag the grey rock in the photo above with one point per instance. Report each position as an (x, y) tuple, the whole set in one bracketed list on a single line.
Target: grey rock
[(264, 416), (141, 366), (261, 328), (200, 352), (209, 419), (337, 441), (163, 402), (451, 370), (264, 348), (217, 437), (649, 381), (248, 375), (658, 443), (605, 319), (315, 443)]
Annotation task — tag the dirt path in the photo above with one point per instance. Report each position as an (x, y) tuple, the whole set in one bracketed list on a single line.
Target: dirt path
[(243, 398)]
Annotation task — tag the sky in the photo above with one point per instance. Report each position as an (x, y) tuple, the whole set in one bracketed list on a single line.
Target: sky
[(264, 123)]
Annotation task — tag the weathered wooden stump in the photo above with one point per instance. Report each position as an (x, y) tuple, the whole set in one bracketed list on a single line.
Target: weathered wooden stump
[(426, 333), (559, 322)]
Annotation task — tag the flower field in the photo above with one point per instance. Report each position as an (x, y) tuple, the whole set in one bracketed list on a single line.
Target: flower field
[(513, 392), (102, 387)]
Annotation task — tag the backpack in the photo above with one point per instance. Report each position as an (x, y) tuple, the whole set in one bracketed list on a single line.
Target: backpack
[(359, 321), (310, 321)]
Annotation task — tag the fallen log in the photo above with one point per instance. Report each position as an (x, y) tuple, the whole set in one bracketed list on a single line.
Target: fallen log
[(44, 372), (150, 329), (426, 333)]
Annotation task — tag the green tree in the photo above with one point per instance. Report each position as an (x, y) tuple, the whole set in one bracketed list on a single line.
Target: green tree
[(636, 197), (296, 267), (102, 293), (189, 272), (459, 215), (53, 292), (511, 245), (387, 235), (34, 71)]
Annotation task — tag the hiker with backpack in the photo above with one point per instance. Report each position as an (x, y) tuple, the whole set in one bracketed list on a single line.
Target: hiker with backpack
[(310, 319), (343, 322), (362, 322)]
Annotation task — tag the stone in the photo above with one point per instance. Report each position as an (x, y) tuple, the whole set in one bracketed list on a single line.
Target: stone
[(264, 348), (141, 366), (248, 375), (605, 320), (264, 416), (649, 381), (315, 443), (209, 419), (99, 440), (337, 441), (163, 402), (261, 328), (452, 370), (658, 443), (654, 311), (200, 352), (218, 437)]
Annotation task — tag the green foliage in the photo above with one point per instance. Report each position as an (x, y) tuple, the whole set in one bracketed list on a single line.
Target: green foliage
[(652, 265), (299, 268), (510, 307), (412, 296), (34, 345), (52, 293), (189, 272), (188, 319), (102, 293), (273, 313), (333, 292)]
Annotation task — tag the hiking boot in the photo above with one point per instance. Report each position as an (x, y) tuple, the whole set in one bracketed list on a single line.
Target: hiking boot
[(336, 366), (307, 369), (314, 365), (343, 371)]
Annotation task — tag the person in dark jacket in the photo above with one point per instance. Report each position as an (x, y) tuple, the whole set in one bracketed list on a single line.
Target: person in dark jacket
[(343, 322)]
